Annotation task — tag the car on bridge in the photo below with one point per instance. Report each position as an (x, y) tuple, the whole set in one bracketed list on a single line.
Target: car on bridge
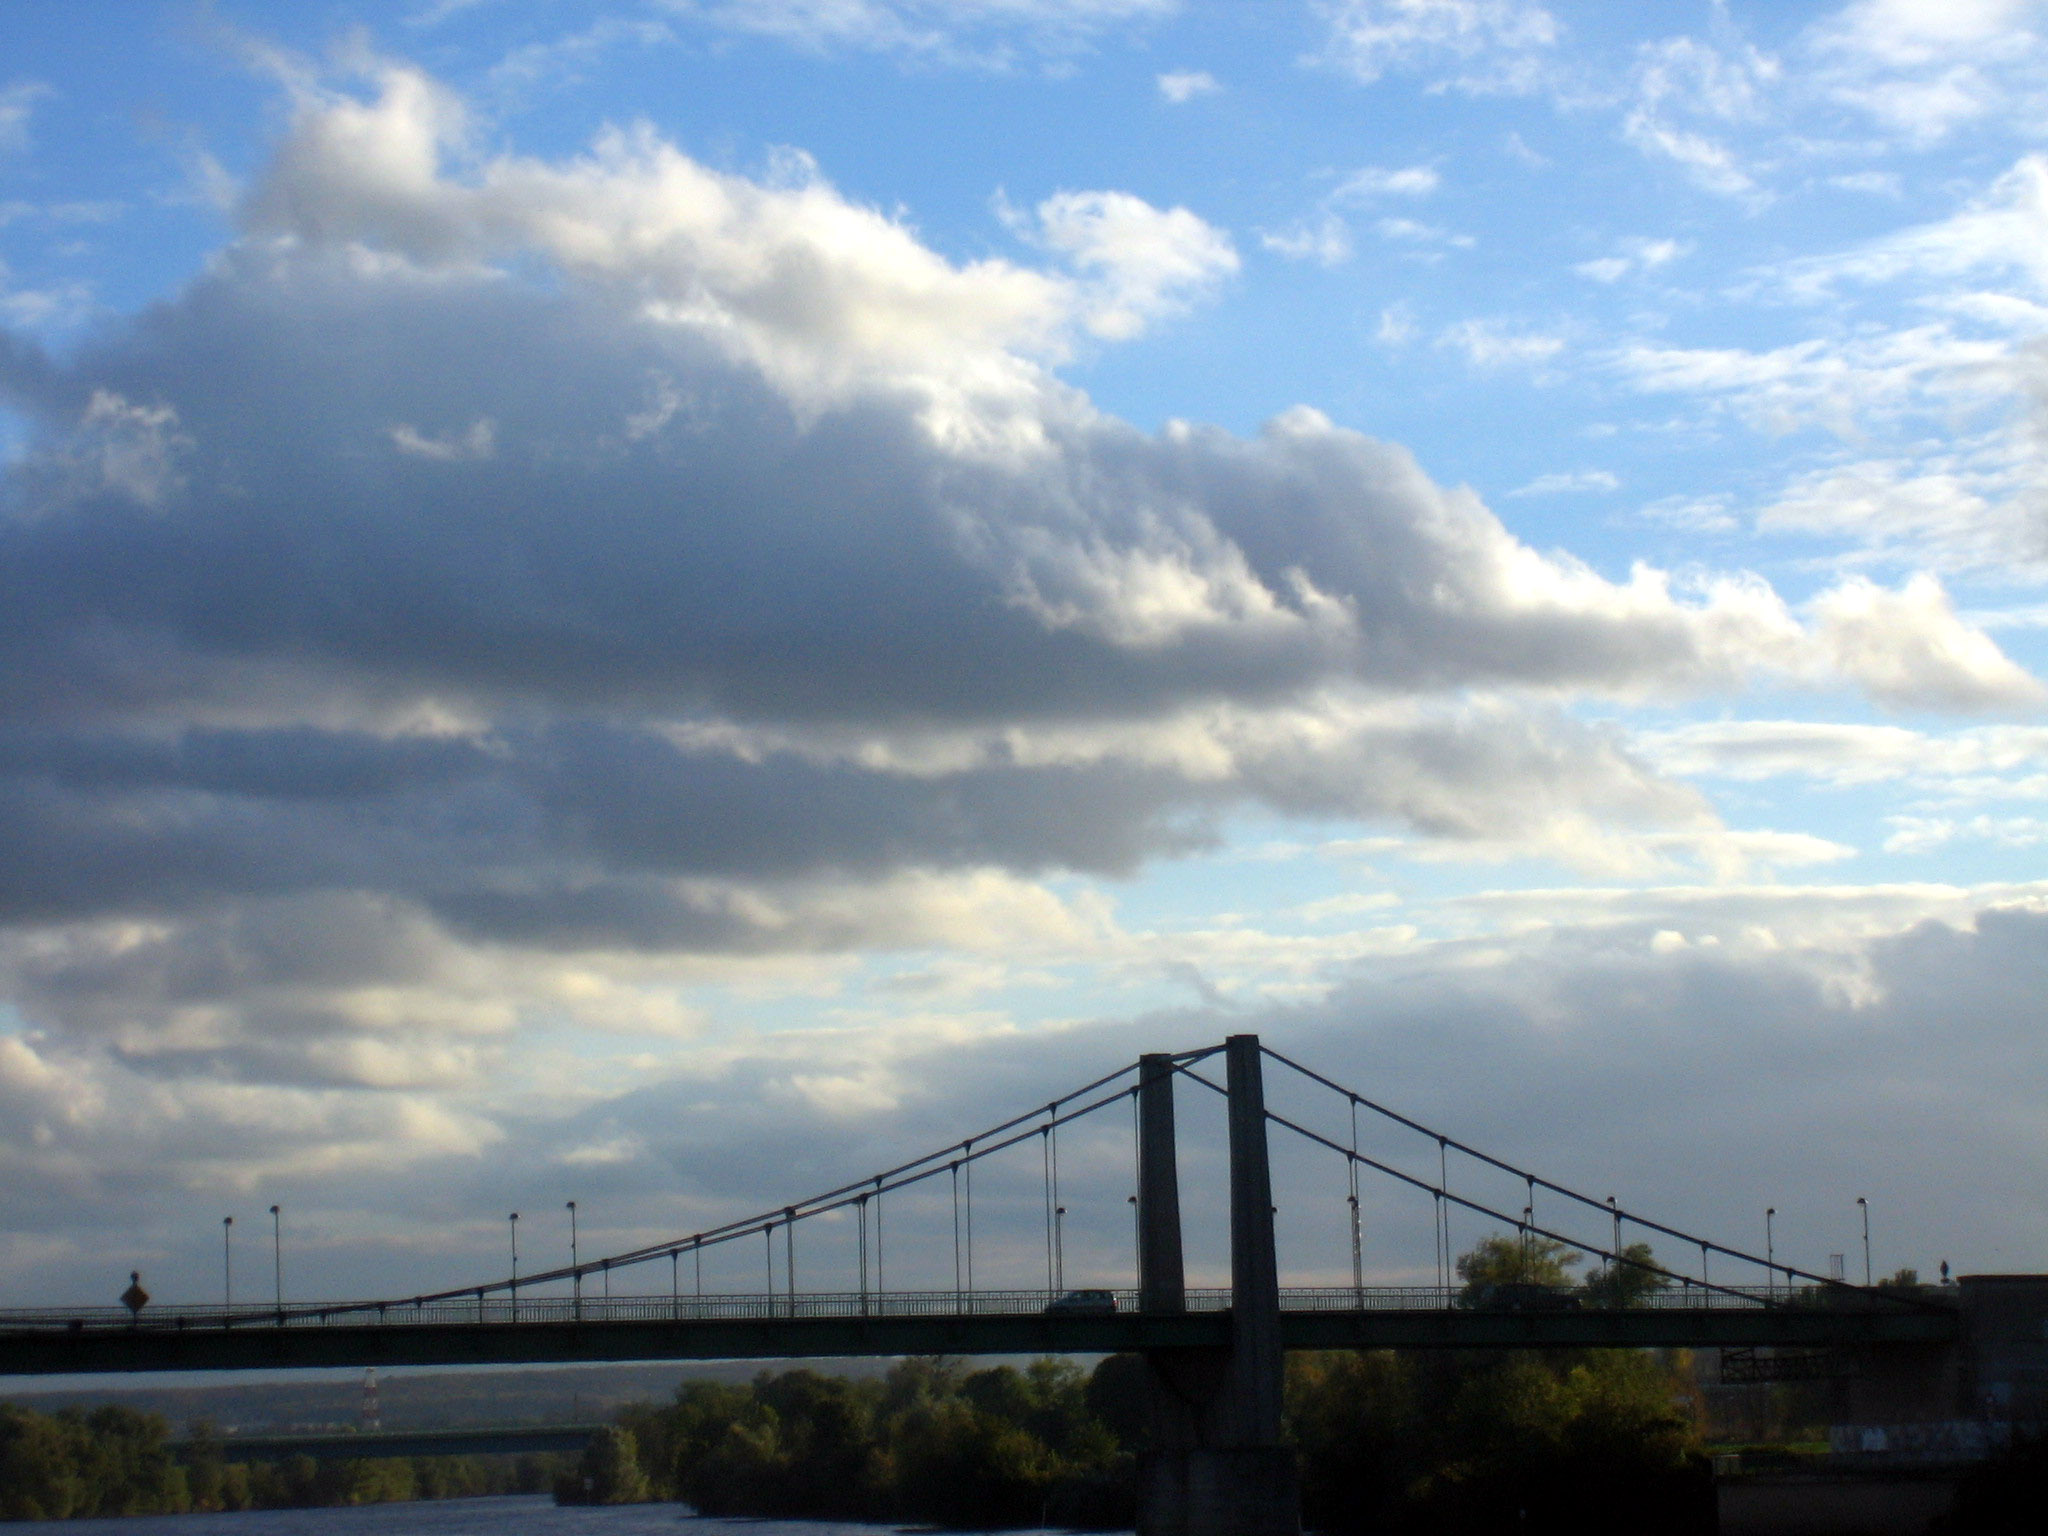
[(1083, 1304)]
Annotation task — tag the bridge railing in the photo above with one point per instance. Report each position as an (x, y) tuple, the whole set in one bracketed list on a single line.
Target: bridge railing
[(500, 1310)]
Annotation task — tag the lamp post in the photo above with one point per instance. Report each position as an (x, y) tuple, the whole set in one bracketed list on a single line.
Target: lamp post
[(1864, 1206), (1770, 1253), (514, 1221), (277, 1258), (227, 1267), (575, 1270)]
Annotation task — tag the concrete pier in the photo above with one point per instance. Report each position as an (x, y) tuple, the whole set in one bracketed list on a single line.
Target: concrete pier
[(1216, 1466)]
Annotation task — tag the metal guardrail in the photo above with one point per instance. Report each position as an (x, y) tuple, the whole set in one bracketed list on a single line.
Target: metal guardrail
[(500, 1310)]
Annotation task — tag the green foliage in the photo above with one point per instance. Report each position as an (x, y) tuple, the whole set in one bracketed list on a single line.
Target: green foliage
[(608, 1473), (1523, 1440), (932, 1442), (76, 1463), (114, 1461), (1457, 1442), (1530, 1260), (1626, 1284)]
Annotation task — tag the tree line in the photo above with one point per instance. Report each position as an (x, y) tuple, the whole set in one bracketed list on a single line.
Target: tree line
[(1413, 1441), (79, 1463), (1438, 1441)]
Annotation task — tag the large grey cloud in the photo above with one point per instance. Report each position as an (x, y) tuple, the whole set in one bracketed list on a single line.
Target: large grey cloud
[(495, 593), (1699, 1082)]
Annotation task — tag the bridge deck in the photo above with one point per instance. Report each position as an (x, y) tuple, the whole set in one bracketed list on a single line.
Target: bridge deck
[(984, 1323)]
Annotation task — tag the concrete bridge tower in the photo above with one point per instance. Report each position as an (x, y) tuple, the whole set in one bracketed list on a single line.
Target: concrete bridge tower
[(1216, 1465)]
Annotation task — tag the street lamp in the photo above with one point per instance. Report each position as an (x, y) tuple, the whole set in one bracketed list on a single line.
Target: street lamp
[(514, 1220), (1770, 1254), (575, 1270), (227, 1267), (277, 1257), (1864, 1206)]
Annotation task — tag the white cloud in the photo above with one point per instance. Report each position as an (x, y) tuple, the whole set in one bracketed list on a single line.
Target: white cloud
[(1325, 240), (17, 106), (1718, 853), (1997, 234), (477, 441), (1634, 256), (500, 598), (984, 33), (568, 57), (1492, 344), (1503, 38), (1566, 483), (1184, 85), (1841, 383), (1876, 183), (1414, 232), (54, 306), (1924, 362), (1325, 236), (1377, 181), (1684, 86), (1710, 163), (1923, 68), (1149, 261), (1927, 834), (1909, 648), (1975, 760), (1971, 508), (132, 451)]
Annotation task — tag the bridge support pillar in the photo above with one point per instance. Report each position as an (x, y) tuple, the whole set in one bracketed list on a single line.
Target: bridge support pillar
[(1216, 1466)]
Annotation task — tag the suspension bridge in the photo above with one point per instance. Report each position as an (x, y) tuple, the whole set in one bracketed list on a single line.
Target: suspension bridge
[(1215, 1352)]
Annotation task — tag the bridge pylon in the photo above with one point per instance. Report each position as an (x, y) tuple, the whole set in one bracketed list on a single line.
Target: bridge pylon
[(1216, 1465)]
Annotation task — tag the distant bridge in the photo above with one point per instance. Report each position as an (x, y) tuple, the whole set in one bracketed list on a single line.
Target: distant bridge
[(1218, 1466), (50, 1341), (504, 1440)]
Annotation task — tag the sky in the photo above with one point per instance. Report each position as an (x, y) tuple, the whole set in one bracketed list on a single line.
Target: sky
[(662, 602)]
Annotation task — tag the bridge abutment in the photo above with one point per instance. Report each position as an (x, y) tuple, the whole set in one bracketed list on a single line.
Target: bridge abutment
[(1216, 1465)]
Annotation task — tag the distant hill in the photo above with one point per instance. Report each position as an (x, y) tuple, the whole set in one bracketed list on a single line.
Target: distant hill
[(426, 1399)]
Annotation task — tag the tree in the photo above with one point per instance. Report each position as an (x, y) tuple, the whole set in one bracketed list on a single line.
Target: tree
[(1627, 1283), (1525, 1259), (1353, 1417), (1117, 1398), (610, 1470)]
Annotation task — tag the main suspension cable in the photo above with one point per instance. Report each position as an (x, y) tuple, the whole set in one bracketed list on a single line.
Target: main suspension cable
[(1533, 1181), (997, 1138), (1471, 1205)]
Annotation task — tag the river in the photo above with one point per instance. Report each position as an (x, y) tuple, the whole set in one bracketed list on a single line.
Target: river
[(526, 1515)]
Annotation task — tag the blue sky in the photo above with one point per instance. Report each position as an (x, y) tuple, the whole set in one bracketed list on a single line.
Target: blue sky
[(592, 584)]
